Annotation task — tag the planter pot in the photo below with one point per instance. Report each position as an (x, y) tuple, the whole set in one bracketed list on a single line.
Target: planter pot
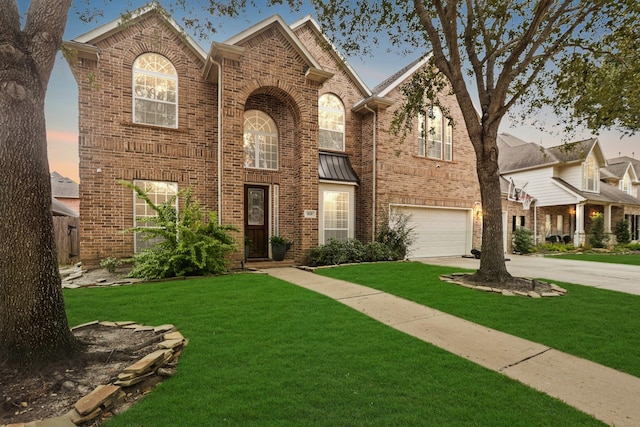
[(246, 252), (278, 252)]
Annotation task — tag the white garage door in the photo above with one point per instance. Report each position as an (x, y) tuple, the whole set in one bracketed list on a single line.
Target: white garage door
[(439, 232)]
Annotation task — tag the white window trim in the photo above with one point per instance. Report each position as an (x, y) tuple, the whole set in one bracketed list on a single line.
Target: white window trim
[(142, 184), (258, 146), (344, 188), (155, 74), (425, 137), (589, 174), (342, 111)]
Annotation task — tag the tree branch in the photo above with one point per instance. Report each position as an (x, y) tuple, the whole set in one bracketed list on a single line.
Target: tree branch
[(46, 20), (9, 21)]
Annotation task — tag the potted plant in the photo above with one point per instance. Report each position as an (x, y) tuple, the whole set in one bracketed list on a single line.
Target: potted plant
[(247, 247), (279, 247)]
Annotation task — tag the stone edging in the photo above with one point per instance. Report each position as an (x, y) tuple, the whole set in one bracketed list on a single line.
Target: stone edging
[(104, 397), (555, 291)]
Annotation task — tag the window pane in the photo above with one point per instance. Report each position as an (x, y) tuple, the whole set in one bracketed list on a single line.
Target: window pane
[(260, 141), (422, 133), (434, 133), (331, 123), (155, 91), (159, 192), (336, 215)]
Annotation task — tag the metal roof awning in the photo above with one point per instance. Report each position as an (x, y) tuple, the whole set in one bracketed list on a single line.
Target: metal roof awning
[(336, 167)]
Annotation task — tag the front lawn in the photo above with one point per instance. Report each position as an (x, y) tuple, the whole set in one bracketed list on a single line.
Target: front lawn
[(594, 324), (630, 259), (263, 352)]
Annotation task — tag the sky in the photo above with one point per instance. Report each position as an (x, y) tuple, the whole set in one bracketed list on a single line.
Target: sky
[(61, 103)]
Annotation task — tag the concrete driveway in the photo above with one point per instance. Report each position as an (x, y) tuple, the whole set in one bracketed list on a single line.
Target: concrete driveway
[(616, 277)]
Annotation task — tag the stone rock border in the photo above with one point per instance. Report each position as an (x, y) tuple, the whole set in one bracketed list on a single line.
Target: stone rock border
[(104, 397), (553, 291)]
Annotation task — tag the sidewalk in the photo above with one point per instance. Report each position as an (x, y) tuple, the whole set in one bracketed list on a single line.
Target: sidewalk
[(608, 395)]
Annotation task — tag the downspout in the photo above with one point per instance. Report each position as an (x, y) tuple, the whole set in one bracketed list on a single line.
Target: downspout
[(535, 224), (374, 171), (219, 140)]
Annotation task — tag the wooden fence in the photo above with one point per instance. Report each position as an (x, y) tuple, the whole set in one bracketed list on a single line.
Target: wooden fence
[(67, 239)]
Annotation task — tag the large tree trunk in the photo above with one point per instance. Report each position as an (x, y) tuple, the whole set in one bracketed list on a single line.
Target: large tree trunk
[(492, 262), (33, 323)]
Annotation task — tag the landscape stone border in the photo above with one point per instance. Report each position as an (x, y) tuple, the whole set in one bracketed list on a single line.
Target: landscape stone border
[(553, 291), (104, 397)]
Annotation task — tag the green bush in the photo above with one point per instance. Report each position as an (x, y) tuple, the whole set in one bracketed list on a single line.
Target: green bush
[(397, 234), (623, 236), (554, 247), (523, 240), (597, 237), (190, 241), (337, 252), (110, 264), (633, 246)]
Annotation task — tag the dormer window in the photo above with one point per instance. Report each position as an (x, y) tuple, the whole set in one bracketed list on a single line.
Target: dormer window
[(590, 174), (155, 91), (330, 123), (625, 183)]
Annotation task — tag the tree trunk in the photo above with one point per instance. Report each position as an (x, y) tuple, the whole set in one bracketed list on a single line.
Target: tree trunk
[(33, 323), (492, 262)]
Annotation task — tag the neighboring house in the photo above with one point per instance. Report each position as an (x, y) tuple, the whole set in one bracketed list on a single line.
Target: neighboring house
[(624, 172), (65, 191), (272, 128), (569, 184)]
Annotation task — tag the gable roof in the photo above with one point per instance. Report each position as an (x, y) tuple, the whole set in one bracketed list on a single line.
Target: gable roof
[(63, 187), (315, 27), (85, 43), (516, 154), (277, 22), (632, 162), (393, 81), (60, 209), (608, 193)]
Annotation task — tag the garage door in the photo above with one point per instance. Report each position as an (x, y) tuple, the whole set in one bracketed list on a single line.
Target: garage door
[(439, 232)]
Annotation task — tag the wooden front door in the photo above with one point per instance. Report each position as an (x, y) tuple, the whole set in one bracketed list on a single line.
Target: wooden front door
[(256, 220)]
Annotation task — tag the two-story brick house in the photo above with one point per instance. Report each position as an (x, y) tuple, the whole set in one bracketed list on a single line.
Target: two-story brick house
[(272, 129)]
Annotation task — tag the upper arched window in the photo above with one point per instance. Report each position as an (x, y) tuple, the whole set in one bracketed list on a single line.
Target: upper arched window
[(260, 141), (331, 122), (435, 135), (155, 91)]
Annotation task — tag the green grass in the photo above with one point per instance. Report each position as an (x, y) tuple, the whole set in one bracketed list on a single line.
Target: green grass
[(629, 259), (263, 352), (594, 324)]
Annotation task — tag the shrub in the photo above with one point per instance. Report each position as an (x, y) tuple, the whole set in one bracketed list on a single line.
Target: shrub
[(597, 236), (336, 252), (623, 236), (397, 234), (190, 241), (633, 246), (376, 251), (554, 247), (110, 264), (523, 240)]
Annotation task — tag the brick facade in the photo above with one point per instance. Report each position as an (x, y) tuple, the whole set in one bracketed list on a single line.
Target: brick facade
[(269, 75)]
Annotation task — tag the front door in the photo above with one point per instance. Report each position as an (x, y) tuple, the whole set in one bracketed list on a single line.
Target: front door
[(256, 220)]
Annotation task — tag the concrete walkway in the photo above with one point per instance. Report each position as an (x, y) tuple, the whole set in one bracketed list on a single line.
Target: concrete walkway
[(608, 395), (615, 277)]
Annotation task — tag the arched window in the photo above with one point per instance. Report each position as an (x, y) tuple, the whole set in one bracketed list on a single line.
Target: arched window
[(331, 122), (155, 91), (260, 141), (435, 135)]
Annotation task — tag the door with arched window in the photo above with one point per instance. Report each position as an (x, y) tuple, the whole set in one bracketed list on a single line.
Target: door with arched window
[(260, 152)]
